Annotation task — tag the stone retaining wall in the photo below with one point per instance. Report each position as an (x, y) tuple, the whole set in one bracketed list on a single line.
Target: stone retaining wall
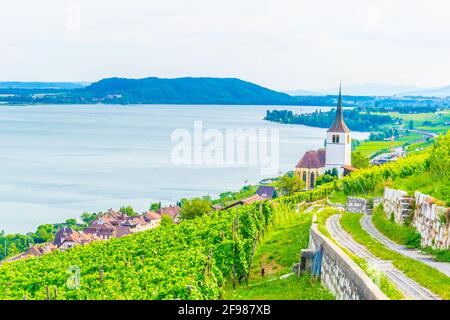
[(359, 205), (432, 222), (398, 203), (338, 272)]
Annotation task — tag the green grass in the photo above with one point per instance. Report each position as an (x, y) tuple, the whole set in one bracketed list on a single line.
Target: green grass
[(437, 120), (405, 235), (281, 245), (442, 255), (370, 147), (338, 197), (426, 276), (415, 147), (277, 252), (292, 288), (434, 128)]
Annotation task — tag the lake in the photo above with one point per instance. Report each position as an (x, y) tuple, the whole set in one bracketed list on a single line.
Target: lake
[(58, 161)]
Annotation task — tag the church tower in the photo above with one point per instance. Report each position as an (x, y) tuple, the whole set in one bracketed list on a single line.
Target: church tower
[(339, 142)]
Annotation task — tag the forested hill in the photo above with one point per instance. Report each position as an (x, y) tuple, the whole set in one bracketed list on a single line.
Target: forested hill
[(224, 91), (356, 120), (183, 91)]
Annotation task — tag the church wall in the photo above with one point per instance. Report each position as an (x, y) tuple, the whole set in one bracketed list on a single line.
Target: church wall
[(338, 154), (317, 172)]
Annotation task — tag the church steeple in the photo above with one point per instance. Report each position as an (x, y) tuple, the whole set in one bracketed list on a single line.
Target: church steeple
[(339, 124)]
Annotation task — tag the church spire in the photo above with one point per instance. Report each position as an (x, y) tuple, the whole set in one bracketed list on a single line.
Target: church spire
[(339, 124)]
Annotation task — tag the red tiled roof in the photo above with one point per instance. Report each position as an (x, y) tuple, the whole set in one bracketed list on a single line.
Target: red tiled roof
[(170, 211), (151, 215), (252, 199), (313, 159), (349, 168), (123, 231), (140, 220)]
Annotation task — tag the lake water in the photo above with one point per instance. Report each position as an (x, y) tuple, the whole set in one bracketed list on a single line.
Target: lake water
[(58, 161)]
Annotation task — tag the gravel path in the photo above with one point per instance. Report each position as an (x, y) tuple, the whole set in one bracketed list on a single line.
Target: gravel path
[(367, 225), (410, 288)]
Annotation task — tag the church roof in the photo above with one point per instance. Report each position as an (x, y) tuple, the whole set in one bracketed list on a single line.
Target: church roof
[(313, 159), (339, 124)]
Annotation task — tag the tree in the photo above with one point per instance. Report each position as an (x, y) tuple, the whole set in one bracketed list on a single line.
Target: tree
[(88, 218), (129, 211), (359, 161), (196, 207), (71, 222), (289, 185), (155, 206), (325, 179), (44, 233)]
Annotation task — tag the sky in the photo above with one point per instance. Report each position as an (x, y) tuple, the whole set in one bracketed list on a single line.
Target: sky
[(280, 44)]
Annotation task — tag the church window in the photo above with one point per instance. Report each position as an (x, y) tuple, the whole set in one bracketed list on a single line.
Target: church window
[(312, 180), (304, 176), (337, 138), (334, 138)]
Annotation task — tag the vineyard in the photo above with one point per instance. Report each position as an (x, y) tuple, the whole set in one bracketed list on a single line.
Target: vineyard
[(186, 261)]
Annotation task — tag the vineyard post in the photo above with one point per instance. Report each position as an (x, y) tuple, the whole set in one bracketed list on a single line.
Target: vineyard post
[(209, 261), (251, 260), (47, 292), (234, 251), (55, 291), (101, 274)]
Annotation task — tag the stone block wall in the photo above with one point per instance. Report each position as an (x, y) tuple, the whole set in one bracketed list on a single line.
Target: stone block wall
[(338, 272), (432, 222), (377, 201), (398, 203), (359, 205)]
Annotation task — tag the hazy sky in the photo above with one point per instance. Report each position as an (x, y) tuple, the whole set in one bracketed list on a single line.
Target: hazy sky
[(282, 44)]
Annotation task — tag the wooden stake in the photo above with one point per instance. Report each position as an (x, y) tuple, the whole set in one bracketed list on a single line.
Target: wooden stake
[(101, 275)]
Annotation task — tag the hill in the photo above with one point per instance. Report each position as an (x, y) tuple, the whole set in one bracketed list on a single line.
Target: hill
[(300, 92), (374, 89), (437, 92), (183, 91)]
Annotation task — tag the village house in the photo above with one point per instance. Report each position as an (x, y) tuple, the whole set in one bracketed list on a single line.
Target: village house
[(153, 218), (77, 238), (107, 224), (34, 251), (61, 235), (267, 192), (172, 211)]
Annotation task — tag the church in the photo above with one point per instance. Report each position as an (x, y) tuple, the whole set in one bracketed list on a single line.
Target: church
[(337, 153)]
